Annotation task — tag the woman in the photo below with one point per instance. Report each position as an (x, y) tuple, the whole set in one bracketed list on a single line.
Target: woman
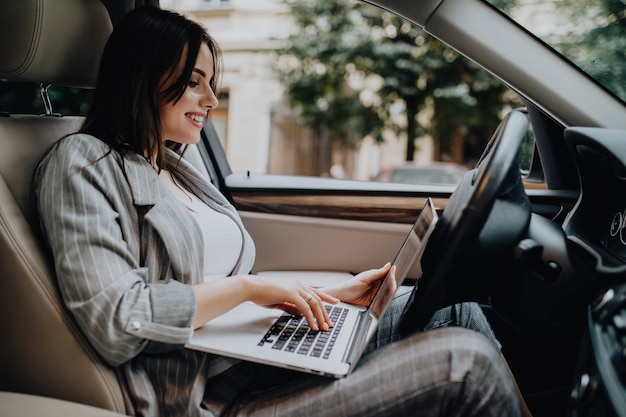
[(146, 250)]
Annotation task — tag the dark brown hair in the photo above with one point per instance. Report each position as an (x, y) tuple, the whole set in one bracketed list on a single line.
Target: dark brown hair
[(145, 48)]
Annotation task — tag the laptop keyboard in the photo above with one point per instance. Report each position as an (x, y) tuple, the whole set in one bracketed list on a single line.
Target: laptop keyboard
[(292, 333)]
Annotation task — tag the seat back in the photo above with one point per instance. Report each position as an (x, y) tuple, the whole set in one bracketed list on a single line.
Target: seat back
[(42, 351)]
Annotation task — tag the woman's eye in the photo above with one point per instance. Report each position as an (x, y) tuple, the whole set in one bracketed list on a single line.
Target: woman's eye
[(193, 83)]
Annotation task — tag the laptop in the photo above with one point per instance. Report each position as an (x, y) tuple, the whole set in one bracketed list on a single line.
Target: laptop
[(273, 337)]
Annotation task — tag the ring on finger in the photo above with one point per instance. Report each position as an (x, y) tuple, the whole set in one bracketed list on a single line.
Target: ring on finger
[(308, 297)]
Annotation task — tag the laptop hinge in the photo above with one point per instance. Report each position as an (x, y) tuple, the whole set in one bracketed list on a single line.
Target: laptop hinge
[(361, 338)]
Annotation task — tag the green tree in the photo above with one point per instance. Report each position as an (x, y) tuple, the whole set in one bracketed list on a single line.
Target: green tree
[(599, 48), (316, 66), (349, 67)]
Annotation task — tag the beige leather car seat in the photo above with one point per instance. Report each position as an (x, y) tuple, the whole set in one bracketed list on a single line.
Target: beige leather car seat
[(42, 351)]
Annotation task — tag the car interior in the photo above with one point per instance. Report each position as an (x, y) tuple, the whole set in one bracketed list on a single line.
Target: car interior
[(542, 262)]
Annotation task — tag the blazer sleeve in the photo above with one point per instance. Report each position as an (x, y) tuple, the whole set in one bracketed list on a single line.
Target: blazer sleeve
[(92, 227)]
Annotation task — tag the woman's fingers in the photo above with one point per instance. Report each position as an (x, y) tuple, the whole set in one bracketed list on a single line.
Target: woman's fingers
[(298, 298), (312, 308), (317, 305), (372, 275)]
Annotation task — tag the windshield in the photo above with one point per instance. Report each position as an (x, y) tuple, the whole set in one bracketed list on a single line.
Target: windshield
[(590, 33)]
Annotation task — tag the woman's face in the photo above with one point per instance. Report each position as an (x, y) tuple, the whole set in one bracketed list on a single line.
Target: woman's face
[(182, 121)]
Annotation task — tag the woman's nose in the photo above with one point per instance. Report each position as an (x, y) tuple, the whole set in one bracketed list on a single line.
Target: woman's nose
[(210, 100)]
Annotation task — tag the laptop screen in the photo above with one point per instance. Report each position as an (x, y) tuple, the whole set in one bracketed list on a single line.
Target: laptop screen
[(410, 252)]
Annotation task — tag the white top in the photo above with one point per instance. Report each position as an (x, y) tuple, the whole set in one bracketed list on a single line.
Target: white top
[(222, 238)]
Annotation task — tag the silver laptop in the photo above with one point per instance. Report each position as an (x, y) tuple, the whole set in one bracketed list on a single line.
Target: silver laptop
[(273, 337)]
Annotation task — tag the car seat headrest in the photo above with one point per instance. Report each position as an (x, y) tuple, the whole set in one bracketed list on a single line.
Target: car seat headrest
[(57, 42)]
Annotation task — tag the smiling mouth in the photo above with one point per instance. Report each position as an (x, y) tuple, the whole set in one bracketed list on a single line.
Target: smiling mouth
[(196, 118)]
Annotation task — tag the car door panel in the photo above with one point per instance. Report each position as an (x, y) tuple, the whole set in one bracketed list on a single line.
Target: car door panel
[(350, 227), (304, 243), (330, 198), (320, 227)]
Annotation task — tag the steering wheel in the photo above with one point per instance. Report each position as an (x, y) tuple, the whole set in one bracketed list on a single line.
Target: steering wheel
[(484, 218)]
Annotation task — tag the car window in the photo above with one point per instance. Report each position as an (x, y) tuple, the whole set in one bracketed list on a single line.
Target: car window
[(590, 33), (342, 89)]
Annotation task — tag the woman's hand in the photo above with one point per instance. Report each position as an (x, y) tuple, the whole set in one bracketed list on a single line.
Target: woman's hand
[(361, 289), (217, 297), (291, 296)]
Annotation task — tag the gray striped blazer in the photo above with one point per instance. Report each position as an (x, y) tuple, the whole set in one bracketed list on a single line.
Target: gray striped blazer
[(125, 251)]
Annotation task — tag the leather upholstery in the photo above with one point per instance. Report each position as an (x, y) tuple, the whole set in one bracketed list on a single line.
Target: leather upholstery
[(42, 351), (53, 42)]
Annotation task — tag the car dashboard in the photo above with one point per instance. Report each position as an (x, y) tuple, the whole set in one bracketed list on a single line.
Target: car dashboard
[(596, 232)]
